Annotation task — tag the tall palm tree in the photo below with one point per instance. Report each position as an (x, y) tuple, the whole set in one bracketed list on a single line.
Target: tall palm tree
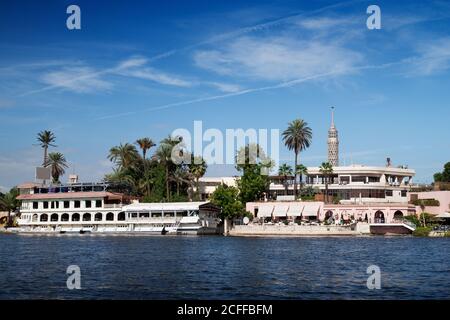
[(327, 170), (197, 168), (46, 139), (297, 137), (164, 156), (145, 144), (57, 163), (301, 170), (123, 155), (9, 202), (285, 170)]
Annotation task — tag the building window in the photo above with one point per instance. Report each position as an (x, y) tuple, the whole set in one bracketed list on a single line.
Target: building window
[(35, 205), (98, 203), (88, 203), (403, 193), (45, 204), (77, 203), (66, 204), (374, 179), (389, 193), (358, 179)]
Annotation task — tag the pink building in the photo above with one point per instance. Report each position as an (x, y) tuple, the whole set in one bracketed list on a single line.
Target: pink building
[(442, 196), (372, 213)]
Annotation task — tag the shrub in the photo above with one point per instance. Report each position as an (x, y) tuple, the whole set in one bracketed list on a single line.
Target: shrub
[(422, 231), (426, 202)]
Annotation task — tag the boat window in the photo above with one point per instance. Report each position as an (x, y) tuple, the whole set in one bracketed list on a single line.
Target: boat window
[(168, 214), (156, 214), (144, 214)]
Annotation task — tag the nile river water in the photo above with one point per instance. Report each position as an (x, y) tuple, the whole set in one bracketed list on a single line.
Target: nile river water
[(178, 267)]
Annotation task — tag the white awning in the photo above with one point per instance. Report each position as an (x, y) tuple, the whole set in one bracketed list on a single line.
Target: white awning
[(280, 210), (295, 210), (444, 215), (311, 210), (265, 210)]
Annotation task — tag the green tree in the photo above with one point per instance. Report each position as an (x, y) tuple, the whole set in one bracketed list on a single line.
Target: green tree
[(46, 139), (443, 176), (301, 170), (227, 198), (327, 170), (285, 171), (9, 202), (297, 137), (197, 168), (252, 162), (164, 156), (57, 163), (145, 144), (124, 155)]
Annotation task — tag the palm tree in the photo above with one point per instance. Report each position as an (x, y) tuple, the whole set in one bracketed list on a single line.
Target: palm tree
[(57, 163), (285, 170), (197, 168), (301, 170), (297, 137), (164, 156), (9, 202), (46, 139), (145, 144), (123, 155), (327, 170)]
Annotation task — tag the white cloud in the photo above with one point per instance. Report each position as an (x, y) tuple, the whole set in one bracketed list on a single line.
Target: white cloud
[(155, 76), (77, 79), (434, 58), (226, 87), (278, 58), (326, 23)]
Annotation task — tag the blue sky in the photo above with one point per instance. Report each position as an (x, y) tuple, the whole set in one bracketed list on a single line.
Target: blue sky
[(147, 68)]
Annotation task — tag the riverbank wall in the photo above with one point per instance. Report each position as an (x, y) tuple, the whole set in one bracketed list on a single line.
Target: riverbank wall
[(253, 230)]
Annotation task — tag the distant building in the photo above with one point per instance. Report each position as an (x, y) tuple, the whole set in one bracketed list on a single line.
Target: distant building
[(208, 185), (440, 201)]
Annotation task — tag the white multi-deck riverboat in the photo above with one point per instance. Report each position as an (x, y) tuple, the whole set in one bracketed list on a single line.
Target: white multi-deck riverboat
[(92, 208)]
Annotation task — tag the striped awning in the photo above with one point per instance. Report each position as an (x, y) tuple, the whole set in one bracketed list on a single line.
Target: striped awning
[(265, 210), (280, 210), (295, 210), (311, 210)]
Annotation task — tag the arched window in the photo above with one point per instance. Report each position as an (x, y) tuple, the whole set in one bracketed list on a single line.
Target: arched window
[(328, 215), (87, 217), (98, 216), (398, 215), (76, 217), (121, 216), (65, 217), (379, 217), (54, 217), (35, 218), (44, 217), (110, 216)]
